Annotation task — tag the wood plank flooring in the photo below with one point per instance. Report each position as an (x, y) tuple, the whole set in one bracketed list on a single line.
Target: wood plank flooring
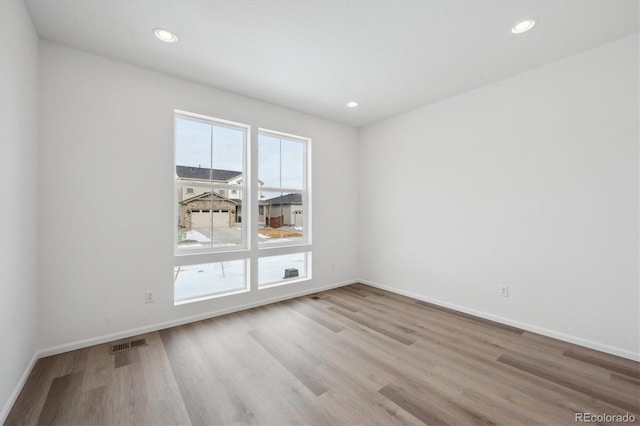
[(355, 355)]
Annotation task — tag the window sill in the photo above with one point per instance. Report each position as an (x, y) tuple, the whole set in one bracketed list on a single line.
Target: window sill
[(209, 297), (282, 283)]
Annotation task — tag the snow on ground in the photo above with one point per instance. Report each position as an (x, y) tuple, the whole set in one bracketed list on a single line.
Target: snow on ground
[(196, 236), (211, 278)]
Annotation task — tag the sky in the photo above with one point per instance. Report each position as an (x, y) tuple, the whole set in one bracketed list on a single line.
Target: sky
[(194, 148)]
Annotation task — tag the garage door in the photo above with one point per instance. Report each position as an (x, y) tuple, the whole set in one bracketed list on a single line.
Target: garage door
[(220, 219), (203, 219)]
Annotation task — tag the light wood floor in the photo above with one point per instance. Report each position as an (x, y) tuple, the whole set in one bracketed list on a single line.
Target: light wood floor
[(354, 355)]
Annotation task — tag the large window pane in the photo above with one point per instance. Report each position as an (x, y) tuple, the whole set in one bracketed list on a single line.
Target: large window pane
[(281, 217), (209, 279), (210, 159), (279, 269)]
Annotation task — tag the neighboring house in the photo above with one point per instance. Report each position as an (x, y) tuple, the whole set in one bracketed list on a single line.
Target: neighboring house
[(207, 210), (288, 206), (211, 202), (206, 175)]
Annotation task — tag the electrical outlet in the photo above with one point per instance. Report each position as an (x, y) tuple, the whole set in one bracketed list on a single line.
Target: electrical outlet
[(504, 290), (148, 297), (332, 266)]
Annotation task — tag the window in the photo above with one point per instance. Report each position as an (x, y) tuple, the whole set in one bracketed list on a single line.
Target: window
[(209, 153), (283, 198), (210, 158), (214, 209)]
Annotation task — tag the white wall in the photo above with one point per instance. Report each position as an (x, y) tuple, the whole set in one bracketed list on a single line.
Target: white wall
[(107, 156), (18, 197), (530, 182)]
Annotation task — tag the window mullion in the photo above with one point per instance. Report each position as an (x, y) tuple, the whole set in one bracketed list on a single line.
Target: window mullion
[(254, 204), (211, 179)]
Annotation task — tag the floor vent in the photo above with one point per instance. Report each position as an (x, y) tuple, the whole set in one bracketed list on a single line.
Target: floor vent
[(125, 346), (137, 342)]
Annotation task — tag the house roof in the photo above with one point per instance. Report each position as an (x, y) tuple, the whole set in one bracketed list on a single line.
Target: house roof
[(283, 200), (205, 195), (203, 173)]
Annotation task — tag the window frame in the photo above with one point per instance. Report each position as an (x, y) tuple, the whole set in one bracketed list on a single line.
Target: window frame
[(250, 249), (293, 247)]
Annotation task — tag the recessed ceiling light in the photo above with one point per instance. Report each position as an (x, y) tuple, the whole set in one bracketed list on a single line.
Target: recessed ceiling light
[(352, 104), (524, 25), (165, 35)]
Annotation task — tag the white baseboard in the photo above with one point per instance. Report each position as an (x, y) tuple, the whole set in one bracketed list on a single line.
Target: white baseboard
[(79, 344), (524, 326), (18, 388)]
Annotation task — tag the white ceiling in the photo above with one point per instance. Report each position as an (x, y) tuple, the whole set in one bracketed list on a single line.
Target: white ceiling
[(314, 56)]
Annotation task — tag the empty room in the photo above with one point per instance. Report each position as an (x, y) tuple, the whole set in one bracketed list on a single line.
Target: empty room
[(319, 212)]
